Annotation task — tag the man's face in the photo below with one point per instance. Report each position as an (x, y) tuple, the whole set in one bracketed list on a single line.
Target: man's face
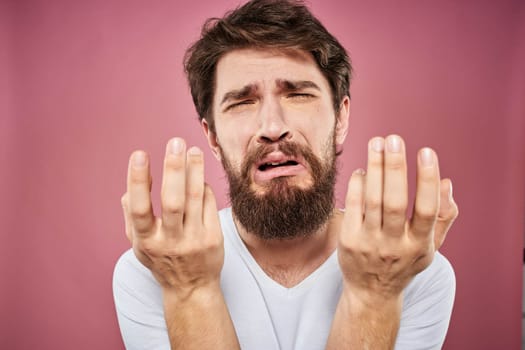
[(276, 133)]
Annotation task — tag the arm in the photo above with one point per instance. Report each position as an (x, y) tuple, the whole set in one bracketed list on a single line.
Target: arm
[(380, 250), (183, 248), (365, 323), (199, 321)]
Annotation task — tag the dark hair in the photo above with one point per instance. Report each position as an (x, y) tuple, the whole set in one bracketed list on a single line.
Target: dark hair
[(281, 24)]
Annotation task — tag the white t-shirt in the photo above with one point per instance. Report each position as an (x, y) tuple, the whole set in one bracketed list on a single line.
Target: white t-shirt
[(268, 316)]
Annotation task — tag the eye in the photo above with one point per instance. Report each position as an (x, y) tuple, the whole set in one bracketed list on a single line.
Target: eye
[(300, 96), (239, 104)]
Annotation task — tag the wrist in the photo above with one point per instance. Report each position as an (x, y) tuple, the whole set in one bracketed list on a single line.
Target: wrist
[(195, 294), (371, 302)]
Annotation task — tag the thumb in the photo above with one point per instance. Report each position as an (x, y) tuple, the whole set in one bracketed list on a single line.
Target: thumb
[(448, 212)]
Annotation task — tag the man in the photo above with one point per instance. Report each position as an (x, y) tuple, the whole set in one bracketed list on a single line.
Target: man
[(282, 269)]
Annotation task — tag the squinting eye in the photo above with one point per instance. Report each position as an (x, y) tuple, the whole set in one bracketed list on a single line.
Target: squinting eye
[(300, 96), (239, 104)]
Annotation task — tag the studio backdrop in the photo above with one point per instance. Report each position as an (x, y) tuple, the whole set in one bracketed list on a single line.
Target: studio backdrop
[(84, 83)]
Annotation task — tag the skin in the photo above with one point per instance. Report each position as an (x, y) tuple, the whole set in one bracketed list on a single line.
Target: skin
[(379, 249)]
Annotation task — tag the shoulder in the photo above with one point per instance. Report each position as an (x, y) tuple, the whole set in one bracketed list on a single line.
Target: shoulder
[(128, 265), (427, 306), (437, 279), (134, 286), (138, 303)]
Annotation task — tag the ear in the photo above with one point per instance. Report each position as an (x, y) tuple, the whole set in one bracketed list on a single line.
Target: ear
[(212, 139), (341, 128)]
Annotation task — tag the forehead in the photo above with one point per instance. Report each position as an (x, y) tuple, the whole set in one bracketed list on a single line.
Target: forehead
[(265, 68)]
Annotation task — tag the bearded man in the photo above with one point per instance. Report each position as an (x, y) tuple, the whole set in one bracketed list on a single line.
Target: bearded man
[(282, 268)]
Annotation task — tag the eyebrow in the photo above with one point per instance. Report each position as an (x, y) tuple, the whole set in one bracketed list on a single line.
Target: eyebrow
[(239, 93), (294, 85), (283, 84)]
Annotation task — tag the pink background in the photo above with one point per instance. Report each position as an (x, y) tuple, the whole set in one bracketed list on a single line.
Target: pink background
[(83, 83)]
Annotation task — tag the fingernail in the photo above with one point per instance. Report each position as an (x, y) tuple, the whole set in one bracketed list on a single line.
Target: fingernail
[(176, 146), (394, 144), (194, 151), (139, 159), (450, 196), (359, 171), (378, 144), (427, 158)]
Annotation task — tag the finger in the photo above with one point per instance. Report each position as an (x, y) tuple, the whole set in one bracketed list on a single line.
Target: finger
[(448, 212), (127, 219), (426, 205), (139, 200), (173, 188), (354, 201), (210, 217), (395, 193), (374, 184), (194, 188)]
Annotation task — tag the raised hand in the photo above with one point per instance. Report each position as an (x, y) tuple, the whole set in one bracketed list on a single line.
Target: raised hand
[(183, 247), (380, 249)]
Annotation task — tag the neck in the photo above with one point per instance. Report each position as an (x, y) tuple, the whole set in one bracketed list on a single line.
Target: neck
[(290, 261)]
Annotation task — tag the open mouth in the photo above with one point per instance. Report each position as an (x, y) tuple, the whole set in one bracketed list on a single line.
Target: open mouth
[(276, 165), (267, 166)]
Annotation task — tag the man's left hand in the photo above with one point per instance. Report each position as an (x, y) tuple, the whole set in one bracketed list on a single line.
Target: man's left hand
[(380, 249)]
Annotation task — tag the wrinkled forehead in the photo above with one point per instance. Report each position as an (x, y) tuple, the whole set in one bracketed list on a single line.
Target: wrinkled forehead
[(265, 69)]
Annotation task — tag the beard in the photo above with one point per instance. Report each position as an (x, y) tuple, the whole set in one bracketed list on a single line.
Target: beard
[(283, 211)]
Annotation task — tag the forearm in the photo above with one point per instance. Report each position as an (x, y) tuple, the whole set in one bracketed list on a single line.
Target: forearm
[(199, 320), (365, 324)]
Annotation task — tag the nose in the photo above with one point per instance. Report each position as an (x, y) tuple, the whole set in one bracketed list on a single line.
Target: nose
[(272, 122)]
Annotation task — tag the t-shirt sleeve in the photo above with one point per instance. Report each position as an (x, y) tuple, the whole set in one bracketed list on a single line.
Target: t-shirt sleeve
[(428, 302), (138, 303)]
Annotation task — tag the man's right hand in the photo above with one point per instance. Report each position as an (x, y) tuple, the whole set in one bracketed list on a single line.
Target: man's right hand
[(184, 247)]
